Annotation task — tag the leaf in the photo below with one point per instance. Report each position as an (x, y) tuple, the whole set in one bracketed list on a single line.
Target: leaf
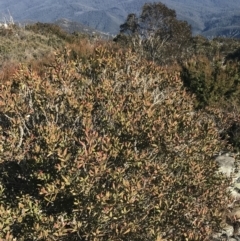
[(127, 231), (65, 152), (37, 148), (126, 183), (65, 180)]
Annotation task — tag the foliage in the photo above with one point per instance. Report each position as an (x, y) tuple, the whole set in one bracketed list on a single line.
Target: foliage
[(156, 34), (36, 41), (210, 81), (49, 29), (213, 75), (98, 143), (34, 45), (23, 45), (108, 147), (217, 48)]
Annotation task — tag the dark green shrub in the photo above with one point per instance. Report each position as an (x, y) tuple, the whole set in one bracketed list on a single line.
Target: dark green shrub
[(212, 82)]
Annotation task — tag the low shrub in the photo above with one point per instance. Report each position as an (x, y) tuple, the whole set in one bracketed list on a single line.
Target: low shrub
[(109, 148), (212, 82)]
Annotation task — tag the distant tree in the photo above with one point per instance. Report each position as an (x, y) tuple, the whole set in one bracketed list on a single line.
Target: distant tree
[(156, 34)]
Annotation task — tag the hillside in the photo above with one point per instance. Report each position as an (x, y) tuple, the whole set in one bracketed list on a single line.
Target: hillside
[(35, 44), (106, 16), (108, 140)]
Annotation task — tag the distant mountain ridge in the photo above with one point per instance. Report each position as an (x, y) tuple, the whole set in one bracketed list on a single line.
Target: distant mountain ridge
[(207, 17)]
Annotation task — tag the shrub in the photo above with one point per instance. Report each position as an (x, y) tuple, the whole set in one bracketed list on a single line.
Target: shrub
[(110, 148), (213, 83), (49, 30)]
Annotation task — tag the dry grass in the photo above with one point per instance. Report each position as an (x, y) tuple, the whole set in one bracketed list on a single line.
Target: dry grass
[(35, 46)]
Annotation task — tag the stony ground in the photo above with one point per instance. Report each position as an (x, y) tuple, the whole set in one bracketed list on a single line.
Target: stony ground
[(229, 165)]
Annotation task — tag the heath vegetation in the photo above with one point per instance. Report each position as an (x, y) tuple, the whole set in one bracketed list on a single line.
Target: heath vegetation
[(115, 140)]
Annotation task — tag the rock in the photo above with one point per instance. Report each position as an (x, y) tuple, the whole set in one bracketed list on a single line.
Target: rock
[(235, 193), (226, 232), (226, 164)]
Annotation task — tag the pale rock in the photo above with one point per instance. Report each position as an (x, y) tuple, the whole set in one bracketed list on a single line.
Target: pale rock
[(226, 164)]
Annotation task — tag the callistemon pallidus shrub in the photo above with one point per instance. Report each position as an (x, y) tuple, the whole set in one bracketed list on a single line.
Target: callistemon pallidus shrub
[(109, 148)]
